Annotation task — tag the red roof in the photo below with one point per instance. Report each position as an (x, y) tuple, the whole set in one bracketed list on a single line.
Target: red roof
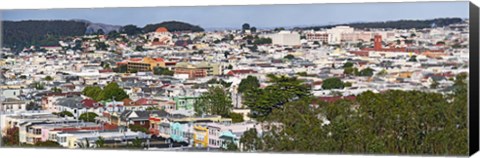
[(106, 114), (62, 94), (141, 101), (159, 43), (161, 30), (446, 74), (105, 70), (158, 59), (70, 129), (107, 126), (360, 53), (144, 101), (89, 103), (127, 101), (136, 59), (317, 83), (234, 72), (122, 63)]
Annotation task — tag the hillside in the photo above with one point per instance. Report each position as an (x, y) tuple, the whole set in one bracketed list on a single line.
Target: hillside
[(399, 24), (19, 34), (94, 27), (173, 26)]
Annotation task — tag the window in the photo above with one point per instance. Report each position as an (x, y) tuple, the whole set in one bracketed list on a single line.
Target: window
[(37, 131)]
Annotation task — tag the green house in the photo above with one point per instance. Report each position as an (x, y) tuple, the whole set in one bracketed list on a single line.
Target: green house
[(184, 102)]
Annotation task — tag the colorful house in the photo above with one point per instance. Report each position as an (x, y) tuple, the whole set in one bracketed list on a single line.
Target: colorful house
[(227, 137), (184, 102), (200, 136)]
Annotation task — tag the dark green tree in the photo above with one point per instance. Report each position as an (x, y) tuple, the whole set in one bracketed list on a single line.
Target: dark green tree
[(113, 34), (231, 146), (152, 108), (162, 71), (48, 78), (100, 32), (131, 30), (137, 143), (251, 141), (278, 29), (64, 113), (88, 117), (333, 83), (253, 30), (56, 90), (382, 73), (366, 72), (350, 71), (101, 46), (100, 143), (93, 92), (245, 26), (413, 58), (302, 73), (113, 91), (236, 117), (347, 65), (251, 82), (216, 101), (11, 137), (282, 90), (289, 57), (138, 128), (434, 85), (48, 144), (38, 85), (261, 41)]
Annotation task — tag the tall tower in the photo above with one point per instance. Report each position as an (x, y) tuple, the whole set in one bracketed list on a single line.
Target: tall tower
[(377, 42)]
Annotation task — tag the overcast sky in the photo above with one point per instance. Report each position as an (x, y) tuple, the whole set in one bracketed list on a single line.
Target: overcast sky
[(257, 15)]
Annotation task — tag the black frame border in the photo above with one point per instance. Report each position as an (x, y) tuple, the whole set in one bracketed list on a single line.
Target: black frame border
[(474, 56)]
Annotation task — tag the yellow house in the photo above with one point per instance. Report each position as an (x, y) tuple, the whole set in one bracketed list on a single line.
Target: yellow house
[(201, 46), (3, 62), (200, 136), (405, 74), (145, 64)]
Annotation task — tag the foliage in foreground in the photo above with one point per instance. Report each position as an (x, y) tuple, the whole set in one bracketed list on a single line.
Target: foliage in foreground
[(394, 122)]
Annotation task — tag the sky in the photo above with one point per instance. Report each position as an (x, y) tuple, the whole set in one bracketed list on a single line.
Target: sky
[(260, 16)]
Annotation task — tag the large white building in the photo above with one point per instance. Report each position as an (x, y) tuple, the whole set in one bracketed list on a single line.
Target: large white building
[(285, 38), (336, 33)]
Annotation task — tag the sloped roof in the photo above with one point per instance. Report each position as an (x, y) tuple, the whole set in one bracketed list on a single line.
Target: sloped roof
[(142, 115)]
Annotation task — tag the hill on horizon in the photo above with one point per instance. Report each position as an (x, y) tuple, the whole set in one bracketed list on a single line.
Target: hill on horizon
[(20, 34), (395, 24), (173, 26)]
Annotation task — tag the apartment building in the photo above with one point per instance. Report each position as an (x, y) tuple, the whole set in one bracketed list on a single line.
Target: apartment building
[(143, 64)]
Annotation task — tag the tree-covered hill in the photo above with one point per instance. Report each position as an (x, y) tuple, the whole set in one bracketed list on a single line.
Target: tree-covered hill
[(173, 26), (19, 34), (399, 24)]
